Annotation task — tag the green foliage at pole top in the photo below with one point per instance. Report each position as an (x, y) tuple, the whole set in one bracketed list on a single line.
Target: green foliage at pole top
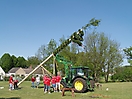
[(77, 37), (92, 22)]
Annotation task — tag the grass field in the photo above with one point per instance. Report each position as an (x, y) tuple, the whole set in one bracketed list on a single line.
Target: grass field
[(116, 91)]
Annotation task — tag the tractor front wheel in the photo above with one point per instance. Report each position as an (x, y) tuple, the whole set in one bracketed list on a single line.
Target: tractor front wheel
[(80, 85), (62, 85)]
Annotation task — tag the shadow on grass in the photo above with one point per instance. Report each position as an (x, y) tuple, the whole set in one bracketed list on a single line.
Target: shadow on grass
[(38, 86), (11, 98), (41, 87)]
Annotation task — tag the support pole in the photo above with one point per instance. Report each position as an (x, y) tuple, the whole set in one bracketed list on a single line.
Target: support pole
[(47, 71), (42, 70), (56, 68), (35, 69), (53, 66)]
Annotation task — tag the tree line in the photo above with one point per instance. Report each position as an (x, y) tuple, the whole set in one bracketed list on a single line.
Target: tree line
[(124, 73), (100, 53)]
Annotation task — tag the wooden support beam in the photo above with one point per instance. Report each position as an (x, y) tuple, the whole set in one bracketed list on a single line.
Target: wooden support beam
[(42, 70), (54, 65), (47, 71)]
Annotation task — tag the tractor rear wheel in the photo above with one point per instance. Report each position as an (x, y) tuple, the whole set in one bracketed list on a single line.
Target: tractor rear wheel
[(80, 85)]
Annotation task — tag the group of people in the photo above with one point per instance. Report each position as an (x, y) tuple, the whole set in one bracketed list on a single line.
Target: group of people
[(35, 81), (13, 80), (53, 82), (48, 82)]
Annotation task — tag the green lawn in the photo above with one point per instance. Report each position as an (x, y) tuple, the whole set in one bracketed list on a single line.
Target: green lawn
[(116, 91)]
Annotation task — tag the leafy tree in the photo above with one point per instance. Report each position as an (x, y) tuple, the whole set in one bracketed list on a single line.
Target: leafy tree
[(51, 46), (114, 58), (102, 54), (122, 74), (118, 75), (6, 62), (74, 48), (81, 59), (33, 61), (22, 62), (42, 52), (14, 60), (45, 50), (128, 73), (128, 52)]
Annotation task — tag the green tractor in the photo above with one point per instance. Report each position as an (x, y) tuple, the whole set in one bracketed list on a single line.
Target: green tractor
[(76, 77)]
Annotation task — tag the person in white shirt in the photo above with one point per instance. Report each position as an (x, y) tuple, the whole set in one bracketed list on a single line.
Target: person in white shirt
[(37, 80)]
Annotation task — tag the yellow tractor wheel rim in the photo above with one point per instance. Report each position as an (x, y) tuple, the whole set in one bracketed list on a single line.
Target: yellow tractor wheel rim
[(78, 85), (61, 86)]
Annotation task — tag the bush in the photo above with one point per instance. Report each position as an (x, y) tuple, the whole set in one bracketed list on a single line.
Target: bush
[(6, 78)]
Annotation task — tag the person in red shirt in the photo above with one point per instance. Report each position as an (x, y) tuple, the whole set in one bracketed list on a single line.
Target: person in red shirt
[(15, 82), (44, 81), (47, 82), (33, 81), (53, 81), (11, 82), (58, 80)]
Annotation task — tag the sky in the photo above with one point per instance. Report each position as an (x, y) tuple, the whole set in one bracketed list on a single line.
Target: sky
[(25, 25)]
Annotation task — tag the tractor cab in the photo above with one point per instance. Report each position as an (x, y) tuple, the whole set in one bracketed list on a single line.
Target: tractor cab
[(79, 71)]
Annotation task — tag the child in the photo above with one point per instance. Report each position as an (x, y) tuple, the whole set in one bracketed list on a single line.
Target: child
[(53, 81), (58, 80), (37, 81), (15, 82), (44, 81), (11, 82), (47, 82), (33, 81)]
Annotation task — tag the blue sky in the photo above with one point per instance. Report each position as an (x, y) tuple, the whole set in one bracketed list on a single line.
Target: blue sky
[(25, 25)]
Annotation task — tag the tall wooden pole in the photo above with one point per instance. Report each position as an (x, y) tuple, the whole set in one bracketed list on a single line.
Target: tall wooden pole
[(35, 69)]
